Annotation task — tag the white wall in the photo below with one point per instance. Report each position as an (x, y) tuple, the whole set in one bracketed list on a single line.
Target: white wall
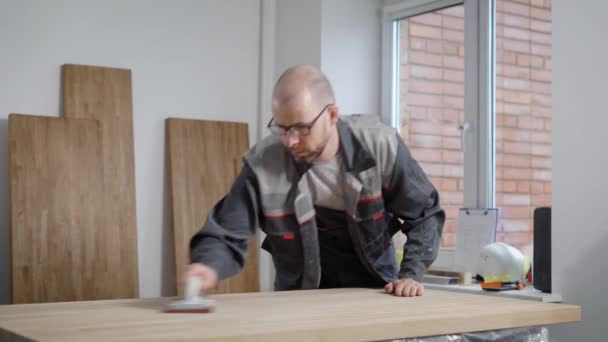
[(189, 58), (580, 164), (350, 53)]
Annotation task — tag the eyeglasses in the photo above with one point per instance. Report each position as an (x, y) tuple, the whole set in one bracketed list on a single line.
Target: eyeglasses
[(299, 129)]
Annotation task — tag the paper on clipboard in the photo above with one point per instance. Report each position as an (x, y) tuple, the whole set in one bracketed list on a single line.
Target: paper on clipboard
[(476, 228)]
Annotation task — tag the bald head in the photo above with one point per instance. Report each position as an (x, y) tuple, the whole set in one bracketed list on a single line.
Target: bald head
[(302, 86)]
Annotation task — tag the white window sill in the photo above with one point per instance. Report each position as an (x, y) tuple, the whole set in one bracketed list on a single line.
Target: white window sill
[(528, 292)]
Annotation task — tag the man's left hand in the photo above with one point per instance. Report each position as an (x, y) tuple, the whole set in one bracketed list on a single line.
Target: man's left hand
[(404, 288)]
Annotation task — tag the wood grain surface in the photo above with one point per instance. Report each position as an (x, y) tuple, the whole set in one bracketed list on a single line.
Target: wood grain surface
[(313, 315), (204, 159), (104, 94), (58, 236)]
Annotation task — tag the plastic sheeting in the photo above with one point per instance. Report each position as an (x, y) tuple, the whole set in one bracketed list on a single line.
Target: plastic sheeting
[(528, 334)]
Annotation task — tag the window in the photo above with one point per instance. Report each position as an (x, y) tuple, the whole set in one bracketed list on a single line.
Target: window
[(468, 84)]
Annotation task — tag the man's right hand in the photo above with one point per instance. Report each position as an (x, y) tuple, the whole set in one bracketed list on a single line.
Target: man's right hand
[(207, 275)]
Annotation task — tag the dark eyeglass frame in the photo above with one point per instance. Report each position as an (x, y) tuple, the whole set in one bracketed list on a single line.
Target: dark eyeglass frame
[(299, 129)]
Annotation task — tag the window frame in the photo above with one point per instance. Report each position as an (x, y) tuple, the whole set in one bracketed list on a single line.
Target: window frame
[(479, 82)]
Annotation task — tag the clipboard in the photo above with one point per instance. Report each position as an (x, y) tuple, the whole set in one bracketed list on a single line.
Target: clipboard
[(476, 229)]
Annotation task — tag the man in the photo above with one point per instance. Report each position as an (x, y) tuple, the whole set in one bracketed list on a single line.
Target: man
[(329, 192)]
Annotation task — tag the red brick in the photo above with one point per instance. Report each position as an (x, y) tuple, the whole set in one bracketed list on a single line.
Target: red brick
[(537, 61), (548, 188), (429, 141), (500, 107), (450, 115), (451, 22), (508, 134), (451, 88), (449, 184), (404, 73), (515, 225), (540, 13), (448, 240), (506, 120), (449, 130), (523, 187), (435, 113), (452, 35), (460, 184), (452, 156), (541, 75), (453, 62), (425, 86), (516, 33), (528, 122), (417, 44), (548, 64), (451, 212), (453, 75), (516, 45), (541, 163), (541, 100), (419, 99), (516, 160), (424, 127), (538, 3), (542, 175), (512, 199), (516, 71), (517, 148), (506, 186), (540, 50), (432, 169), (416, 112), (521, 97), (542, 200), (548, 124), (453, 102), (503, 56), (516, 84), (426, 154), (425, 72), (518, 239), (537, 188), (456, 11), (417, 57), (450, 227), (461, 51), (541, 137), (541, 150), (516, 21), (541, 87), (515, 8), (523, 60), (517, 109), (515, 212), (513, 173), (450, 143), (540, 111), (539, 25), (431, 18), (540, 38), (454, 198), (425, 31)]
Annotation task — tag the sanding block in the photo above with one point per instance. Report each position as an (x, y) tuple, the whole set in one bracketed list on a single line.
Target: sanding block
[(192, 301)]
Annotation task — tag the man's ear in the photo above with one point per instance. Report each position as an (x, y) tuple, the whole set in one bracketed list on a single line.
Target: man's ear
[(334, 113)]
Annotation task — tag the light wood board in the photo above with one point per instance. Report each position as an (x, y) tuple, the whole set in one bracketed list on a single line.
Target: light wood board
[(314, 315), (104, 94), (204, 159), (58, 240)]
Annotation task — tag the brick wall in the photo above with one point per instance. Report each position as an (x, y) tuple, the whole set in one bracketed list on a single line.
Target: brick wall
[(432, 103)]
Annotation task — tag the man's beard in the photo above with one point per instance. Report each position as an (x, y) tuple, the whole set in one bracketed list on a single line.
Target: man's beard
[(313, 155)]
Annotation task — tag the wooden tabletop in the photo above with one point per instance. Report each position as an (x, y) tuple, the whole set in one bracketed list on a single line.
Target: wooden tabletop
[(314, 315)]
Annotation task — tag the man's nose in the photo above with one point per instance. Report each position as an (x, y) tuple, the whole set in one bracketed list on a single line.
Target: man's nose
[(290, 139)]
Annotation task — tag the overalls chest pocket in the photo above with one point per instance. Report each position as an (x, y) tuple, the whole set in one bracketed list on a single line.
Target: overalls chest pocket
[(372, 222), (283, 238)]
